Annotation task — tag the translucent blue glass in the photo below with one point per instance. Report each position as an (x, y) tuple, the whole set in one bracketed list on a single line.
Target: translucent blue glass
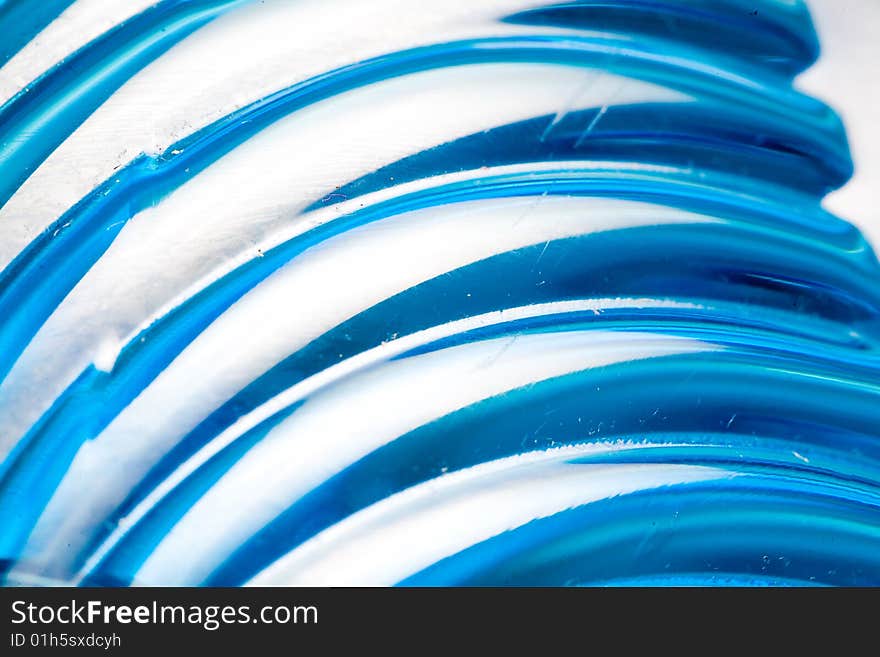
[(506, 292)]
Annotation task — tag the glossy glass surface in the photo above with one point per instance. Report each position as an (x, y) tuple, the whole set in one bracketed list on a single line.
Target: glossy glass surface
[(499, 292)]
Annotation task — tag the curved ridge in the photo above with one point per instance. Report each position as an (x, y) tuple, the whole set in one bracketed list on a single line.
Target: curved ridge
[(575, 346)]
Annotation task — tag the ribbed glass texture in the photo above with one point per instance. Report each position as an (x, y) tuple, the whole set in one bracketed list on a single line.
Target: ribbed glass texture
[(494, 292)]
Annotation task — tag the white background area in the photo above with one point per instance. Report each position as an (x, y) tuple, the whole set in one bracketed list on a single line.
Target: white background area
[(847, 77)]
